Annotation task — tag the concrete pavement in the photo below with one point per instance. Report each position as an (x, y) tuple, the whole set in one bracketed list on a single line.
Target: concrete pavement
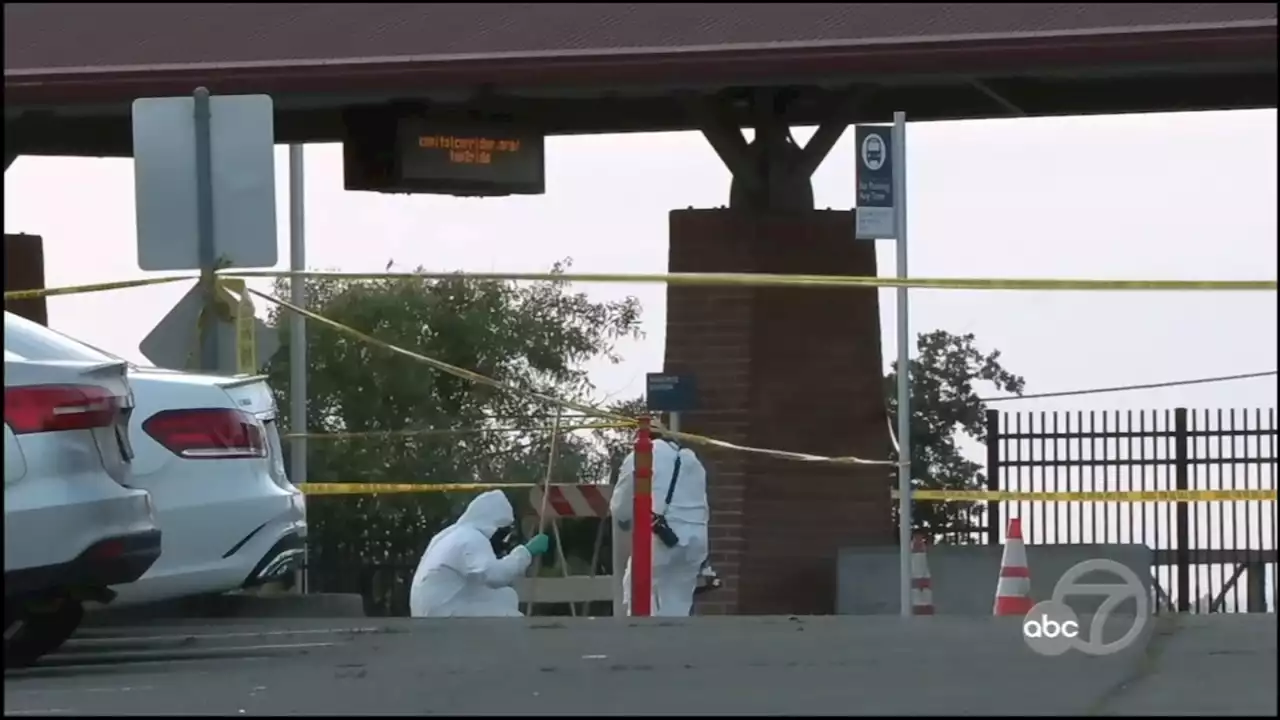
[(825, 666)]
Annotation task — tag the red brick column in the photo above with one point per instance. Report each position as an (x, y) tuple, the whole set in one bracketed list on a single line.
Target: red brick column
[(787, 368), (24, 270)]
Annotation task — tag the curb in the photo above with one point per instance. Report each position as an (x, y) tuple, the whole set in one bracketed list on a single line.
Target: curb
[(233, 606)]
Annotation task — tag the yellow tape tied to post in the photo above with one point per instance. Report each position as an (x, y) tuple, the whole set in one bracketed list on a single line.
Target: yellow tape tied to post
[(246, 327), (235, 304)]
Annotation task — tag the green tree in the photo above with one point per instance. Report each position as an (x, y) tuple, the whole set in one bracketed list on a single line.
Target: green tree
[(531, 337), (946, 407)]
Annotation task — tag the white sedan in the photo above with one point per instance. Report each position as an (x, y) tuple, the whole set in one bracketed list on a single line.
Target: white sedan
[(207, 449)]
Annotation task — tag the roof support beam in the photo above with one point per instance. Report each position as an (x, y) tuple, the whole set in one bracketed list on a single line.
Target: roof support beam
[(773, 172), (844, 108), (726, 139), (999, 98)]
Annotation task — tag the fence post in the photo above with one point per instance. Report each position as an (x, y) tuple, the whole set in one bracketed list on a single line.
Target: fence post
[(993, 476), (1182, 510)]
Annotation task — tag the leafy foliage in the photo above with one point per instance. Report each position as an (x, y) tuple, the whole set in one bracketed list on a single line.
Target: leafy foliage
[(412, 423), (945, 407), (529, 338)]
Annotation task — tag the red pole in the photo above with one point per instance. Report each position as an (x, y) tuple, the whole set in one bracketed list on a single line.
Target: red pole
[(641, 524)]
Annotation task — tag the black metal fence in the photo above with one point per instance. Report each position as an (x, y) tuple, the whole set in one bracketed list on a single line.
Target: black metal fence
[(1216, 556)]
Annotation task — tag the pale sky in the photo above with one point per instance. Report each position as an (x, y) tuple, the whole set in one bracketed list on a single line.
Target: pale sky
[(1169, 196), (1177, 196)]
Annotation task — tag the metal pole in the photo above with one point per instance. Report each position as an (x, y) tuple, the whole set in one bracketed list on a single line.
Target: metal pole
[(298, 326), (210, 352), (904, 363), (674, 424)]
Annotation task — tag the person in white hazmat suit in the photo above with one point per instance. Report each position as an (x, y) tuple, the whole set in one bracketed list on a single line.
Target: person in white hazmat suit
[(675, 569), (460, 574)]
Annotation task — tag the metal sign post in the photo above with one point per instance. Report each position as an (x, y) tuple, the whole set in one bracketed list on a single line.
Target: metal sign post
[(204, 189), (904, 363), (298, 328), (208, 328), (882, 214)]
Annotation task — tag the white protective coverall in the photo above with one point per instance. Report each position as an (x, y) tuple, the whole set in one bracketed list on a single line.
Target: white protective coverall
[(675, 570), (459, 575)]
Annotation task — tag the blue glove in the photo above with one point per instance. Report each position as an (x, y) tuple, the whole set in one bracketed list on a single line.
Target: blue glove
[(538, 544)]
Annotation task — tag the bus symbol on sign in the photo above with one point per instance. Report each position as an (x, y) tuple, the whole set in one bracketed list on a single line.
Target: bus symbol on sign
[(873, 152)]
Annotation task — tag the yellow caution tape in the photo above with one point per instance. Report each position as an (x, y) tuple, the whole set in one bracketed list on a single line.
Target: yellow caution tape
[(1136, 496), (717, 279), (95, 287), (246, 327), (741, 280), (579, 407), (235, 305), (401, 488), (817, 281), (453, 431)]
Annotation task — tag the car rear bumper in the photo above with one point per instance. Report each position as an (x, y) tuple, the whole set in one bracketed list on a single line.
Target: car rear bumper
[(111, 561), (49, 520), (282, 558), (245, 563)]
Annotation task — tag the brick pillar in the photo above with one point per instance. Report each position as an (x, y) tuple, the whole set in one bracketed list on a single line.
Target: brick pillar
[(24, 270), (787, 368)]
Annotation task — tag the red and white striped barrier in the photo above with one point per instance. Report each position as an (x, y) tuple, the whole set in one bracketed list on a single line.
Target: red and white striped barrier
[(568, 502), (921, 583), (573, 501)]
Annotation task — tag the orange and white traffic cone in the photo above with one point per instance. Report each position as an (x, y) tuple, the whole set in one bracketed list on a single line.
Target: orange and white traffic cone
[(921, 583), (1013, 591)]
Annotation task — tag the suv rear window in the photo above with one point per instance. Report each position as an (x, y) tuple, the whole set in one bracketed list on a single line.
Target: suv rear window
[(34, 341)]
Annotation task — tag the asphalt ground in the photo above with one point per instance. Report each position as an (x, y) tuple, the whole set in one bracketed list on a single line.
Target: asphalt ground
[(1223, 665)]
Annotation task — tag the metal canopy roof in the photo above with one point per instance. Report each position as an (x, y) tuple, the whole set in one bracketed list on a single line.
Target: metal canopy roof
[(72, 69)]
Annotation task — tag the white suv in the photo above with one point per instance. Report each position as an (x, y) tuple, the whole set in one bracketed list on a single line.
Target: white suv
[(207, 449)]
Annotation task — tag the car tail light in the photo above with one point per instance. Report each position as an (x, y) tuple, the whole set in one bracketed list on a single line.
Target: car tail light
[(208, 434), (52, 408), (107, 549)]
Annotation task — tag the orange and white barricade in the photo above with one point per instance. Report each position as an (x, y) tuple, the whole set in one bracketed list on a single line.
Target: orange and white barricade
[(921, 582), (573, 501), (569, 502)]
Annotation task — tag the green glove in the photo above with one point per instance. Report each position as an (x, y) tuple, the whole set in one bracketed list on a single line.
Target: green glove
[(538, 544)]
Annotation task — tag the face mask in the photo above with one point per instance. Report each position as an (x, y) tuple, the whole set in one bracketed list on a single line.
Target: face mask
[(502, 540)]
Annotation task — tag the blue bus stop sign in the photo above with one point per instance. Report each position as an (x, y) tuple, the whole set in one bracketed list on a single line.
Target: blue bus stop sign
[(669, 393)]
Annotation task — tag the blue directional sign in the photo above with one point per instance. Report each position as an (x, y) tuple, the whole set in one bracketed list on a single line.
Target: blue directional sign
[(668, 393), (875, 183)]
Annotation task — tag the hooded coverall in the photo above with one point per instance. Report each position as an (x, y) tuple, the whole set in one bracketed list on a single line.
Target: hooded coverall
[(459, 575), (675, 570)]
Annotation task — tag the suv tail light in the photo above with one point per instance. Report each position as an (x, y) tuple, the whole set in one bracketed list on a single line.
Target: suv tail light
[(208, 434), (52, 408)]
